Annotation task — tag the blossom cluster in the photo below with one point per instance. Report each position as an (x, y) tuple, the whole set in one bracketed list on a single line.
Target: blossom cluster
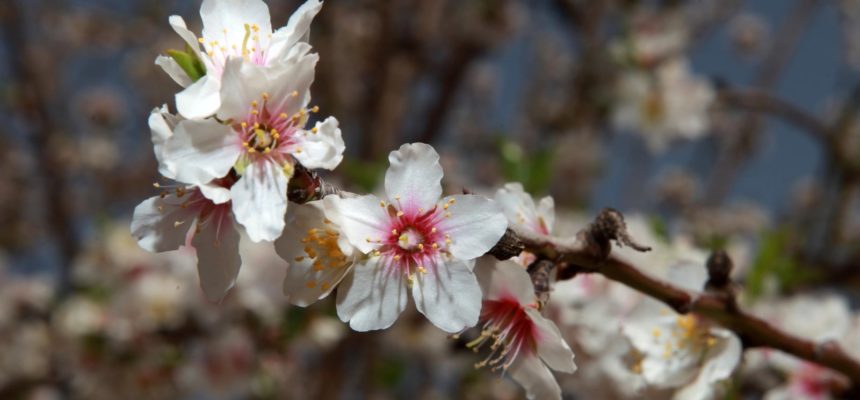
[(244, 126), (242, 130)]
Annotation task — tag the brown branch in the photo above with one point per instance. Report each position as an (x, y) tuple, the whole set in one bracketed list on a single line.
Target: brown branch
[(761, 101), (583, 254)]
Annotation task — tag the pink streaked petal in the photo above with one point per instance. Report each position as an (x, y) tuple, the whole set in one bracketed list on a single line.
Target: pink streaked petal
[(448, 295), (475, 224), (415, 176)]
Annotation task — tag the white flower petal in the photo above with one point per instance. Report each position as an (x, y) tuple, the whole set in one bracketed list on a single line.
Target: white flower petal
[(297, 29), (159, 224), (688, 275), (218, 194), (415, 175), (535, 378), (372, 296), (475, 226), (201, 151), (361, 218), (448, 295), (201, 99), (225, 20), (290, 83), (172, 68), (546, 211), (722, 359), (161, 125), (260, 200), (323, 148), (218, 260), (181, 29), (502, 279), (305, 284), (551, 347), (241, 83)]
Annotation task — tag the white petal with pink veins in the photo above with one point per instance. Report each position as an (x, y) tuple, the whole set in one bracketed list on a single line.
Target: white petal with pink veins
[(500, 279), (225, 20), (297, 29), (201, 99), (372, 296), (535, 377), (475, 225), (361, 218), (415, 175), (172, 68), (201, 151), (260, 200), (218, 260), (551, 347), (323, 148), (448, 295), (159, 224)]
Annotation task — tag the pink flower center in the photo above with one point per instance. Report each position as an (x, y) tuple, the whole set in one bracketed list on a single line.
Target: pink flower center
[(267, 132), (413, 241), (509, 330)]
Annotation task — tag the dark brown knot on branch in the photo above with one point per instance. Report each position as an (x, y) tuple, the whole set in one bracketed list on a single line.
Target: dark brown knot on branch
[(610, 226)]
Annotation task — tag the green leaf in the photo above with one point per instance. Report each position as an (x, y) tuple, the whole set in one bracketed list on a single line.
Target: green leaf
[(774, 263), (534, 170), (189, 62)]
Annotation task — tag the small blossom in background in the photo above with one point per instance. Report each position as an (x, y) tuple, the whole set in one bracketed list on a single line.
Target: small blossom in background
[(415, 240), (521, 341), (664, 105), (522, 212), (233, 29), (687, 351)]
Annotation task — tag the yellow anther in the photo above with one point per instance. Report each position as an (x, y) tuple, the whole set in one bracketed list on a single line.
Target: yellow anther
[(265, 96), (381, 203), (254, 103), (397, 257), (433, 230), (299, 258), (295, 93), (325, 286), (200, 40), (397, 197), (435, 246), (244, 125), (445, 206), (254, 112), (394, 231), (314, 130), (283, 116), (420, 246), (315, 109), (311, 284), (422, 270), (656, 332), (400, 213)]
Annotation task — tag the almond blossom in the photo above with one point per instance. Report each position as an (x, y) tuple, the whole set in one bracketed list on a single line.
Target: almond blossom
[(413, 240), (195, 216), (319, 255), (681, 351), (234, 28), (523, 342), (521, 211), (664, 104), (265, 111)]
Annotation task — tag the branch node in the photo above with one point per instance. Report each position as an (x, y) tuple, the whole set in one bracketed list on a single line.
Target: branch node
[(508, 246), (608, 226)]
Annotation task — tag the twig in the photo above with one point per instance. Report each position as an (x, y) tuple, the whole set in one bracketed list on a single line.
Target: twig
[(584, 255)]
